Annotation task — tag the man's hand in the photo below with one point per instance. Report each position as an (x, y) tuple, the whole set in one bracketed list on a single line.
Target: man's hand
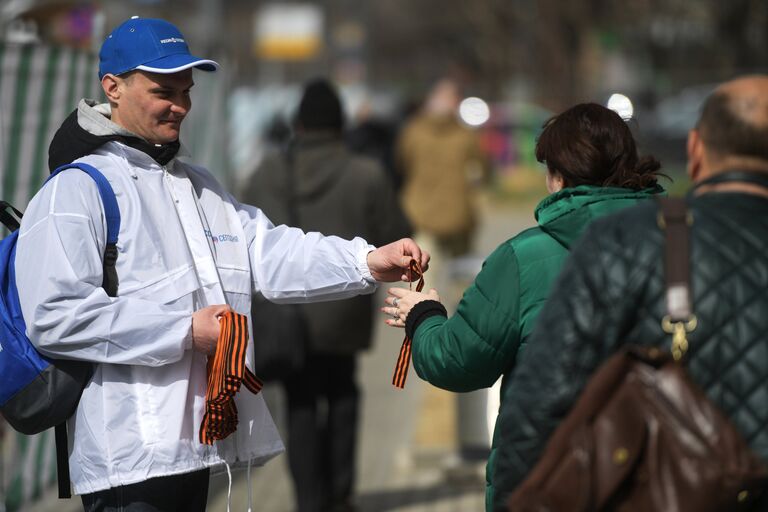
[(390, 262), (205, 328)]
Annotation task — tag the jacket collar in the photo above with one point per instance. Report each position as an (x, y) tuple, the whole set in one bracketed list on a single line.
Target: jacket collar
[(89, 127)]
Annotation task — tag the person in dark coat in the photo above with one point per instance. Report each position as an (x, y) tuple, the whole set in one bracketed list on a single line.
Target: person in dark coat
[(611, 292), (332, 191)]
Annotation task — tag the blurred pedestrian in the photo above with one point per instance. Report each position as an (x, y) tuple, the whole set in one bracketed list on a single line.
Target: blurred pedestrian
[(438, 156), (593, 169), (373, 135), (612, 292), (330, 190)]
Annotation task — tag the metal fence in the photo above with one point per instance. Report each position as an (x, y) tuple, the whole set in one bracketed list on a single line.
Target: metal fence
[(39, 86)]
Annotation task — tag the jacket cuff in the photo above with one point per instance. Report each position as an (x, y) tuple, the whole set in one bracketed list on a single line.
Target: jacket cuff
[(362, 263), (420, 312)]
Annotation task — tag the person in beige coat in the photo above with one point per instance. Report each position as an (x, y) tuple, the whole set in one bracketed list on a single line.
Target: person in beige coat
[(328, 189), (437, 156)]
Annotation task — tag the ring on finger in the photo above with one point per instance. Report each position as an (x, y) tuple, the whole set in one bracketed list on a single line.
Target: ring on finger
[(395, 301), (396, 314)]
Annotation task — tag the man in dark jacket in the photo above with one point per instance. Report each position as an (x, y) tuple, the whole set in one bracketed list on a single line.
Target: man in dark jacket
[(326, 188), (611, 291)]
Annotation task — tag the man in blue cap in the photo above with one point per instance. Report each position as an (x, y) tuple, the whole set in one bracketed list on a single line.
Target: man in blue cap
[(187, 252)]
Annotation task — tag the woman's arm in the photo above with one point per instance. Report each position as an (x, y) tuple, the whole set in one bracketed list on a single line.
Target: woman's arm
[(478, 344)]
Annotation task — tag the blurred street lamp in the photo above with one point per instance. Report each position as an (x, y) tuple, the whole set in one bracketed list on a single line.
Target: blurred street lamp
[(474, 111), (622, 105)]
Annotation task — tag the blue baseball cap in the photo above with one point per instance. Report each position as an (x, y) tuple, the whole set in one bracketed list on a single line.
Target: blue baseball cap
[(149, 45)]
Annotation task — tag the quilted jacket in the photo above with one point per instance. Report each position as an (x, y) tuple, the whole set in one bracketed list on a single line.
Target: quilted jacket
[(480, 343), (611, 292)]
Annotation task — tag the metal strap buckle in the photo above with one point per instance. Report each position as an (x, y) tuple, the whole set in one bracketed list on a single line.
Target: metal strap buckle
[(679, 331)]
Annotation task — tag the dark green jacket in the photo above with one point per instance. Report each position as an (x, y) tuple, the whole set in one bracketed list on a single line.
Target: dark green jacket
[(481, 342), (611, 292)]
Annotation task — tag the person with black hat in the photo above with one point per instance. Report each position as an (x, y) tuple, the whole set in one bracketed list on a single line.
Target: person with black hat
[(187, 253), (326, 188)]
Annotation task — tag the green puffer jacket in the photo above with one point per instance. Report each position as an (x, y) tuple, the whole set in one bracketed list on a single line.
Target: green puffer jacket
[(481, 342)]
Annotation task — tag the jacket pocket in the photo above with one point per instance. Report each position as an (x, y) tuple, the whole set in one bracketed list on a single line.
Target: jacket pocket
[(165, 289), (235, 280)]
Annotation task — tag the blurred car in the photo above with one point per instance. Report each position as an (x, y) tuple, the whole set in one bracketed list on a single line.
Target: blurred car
[(665, 131)]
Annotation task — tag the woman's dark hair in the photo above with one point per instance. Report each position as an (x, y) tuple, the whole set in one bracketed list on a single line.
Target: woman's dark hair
[(589, 144)]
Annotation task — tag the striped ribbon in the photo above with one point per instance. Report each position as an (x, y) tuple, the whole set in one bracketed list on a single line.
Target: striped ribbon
[(226, 373), (404, 359)]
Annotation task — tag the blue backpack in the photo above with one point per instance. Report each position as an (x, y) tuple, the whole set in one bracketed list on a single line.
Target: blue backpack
[(37, 392)]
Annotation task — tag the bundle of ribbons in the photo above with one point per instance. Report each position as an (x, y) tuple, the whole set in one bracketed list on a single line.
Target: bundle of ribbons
[(226, 373), (404, 359)]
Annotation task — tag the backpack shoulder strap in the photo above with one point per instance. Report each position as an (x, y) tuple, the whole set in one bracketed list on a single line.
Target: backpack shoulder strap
[(9, 219), (109, 283), (111, 214)]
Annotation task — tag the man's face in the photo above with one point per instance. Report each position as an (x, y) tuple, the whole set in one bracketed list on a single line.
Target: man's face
[(153, 105)]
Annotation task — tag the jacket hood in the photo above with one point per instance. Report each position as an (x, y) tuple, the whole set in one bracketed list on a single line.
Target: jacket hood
[(319, 159), (565, 214), (89, 127)]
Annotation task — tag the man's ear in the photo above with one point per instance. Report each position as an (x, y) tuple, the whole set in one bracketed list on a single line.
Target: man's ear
[(112, 88), (695, 151)]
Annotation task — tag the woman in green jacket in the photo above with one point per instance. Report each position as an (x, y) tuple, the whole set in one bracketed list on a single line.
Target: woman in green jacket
[(593, 169)]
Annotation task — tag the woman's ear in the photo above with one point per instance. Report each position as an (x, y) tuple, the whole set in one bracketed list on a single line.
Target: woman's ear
[(555, 182)]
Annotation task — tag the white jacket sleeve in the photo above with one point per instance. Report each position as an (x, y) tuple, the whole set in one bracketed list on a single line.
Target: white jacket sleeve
[(59, 273), (289, 265)]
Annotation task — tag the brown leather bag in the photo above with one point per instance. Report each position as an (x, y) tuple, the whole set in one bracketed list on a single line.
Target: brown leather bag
[(642, 436)]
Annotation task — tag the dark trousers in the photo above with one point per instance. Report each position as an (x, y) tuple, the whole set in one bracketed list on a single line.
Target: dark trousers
[(187, 492), (322, 432)]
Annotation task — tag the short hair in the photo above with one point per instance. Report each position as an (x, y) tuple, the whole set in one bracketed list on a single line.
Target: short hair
[(726, 132), (589, 144)]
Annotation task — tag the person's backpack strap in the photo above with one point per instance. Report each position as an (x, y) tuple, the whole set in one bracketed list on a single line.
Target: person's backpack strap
[(9, 221), (109, 283), (111, 214)]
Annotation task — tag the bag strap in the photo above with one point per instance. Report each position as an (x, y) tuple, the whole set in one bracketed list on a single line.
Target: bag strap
[(109, 283), (675, 220), (112, 216), (62, 460), (10, 221)]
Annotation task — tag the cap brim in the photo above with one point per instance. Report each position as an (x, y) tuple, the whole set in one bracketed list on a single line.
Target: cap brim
[(178, 62)]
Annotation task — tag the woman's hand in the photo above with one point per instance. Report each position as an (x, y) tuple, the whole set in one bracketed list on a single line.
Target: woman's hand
[(400, 301)]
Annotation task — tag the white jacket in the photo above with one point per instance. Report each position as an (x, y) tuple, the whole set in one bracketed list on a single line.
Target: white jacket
[(184, 243)]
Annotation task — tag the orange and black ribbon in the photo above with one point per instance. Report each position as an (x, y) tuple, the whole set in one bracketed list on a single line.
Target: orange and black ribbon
[(226, 372), (404, 359)]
